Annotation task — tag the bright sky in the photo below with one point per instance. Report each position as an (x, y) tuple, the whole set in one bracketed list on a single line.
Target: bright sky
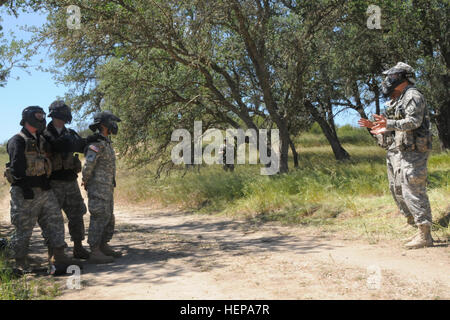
[(39, 88)]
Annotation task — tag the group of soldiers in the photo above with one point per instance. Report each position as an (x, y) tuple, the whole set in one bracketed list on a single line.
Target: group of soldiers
[(43, 172)]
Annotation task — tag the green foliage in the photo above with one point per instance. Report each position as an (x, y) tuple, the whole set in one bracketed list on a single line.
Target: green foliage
[(14, 287)]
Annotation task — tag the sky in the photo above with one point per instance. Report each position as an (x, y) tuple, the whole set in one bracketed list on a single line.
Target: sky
[(34, 89), (39, 88)]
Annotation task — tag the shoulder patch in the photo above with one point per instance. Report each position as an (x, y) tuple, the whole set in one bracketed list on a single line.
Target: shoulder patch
[(94, 148)]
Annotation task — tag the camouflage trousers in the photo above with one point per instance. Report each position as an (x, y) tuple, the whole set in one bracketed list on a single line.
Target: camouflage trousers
[(43, 209), (70, 200), (407, 175), (102, 220)]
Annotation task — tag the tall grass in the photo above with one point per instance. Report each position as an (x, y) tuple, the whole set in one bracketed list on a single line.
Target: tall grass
[(319, 191), (24, 287), (347, 135)]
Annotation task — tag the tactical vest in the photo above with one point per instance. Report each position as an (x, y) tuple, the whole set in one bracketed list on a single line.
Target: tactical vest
[(419, 139), (65, 161), (37, 162)]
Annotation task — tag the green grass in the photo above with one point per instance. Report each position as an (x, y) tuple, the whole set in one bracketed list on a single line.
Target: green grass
[(339, 196), (347, 135), (13, 287)]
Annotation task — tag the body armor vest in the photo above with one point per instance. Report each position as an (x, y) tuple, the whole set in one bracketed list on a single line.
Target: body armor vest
[(65, 161), (419, 139), (38, 164)]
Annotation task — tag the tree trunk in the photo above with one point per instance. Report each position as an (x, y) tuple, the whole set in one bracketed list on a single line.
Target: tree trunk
[(339, 152), (330, 133), (294, 153), (284, 150)]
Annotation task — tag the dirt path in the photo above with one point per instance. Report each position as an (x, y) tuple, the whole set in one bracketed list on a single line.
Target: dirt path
[(174, 255)]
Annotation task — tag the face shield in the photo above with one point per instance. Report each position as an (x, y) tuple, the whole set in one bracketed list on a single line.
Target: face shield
[(391, 82), (113, 127), (35, 118)]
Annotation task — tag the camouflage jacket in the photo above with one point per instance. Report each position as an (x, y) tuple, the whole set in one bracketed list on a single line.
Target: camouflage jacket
[(99, 170), (408, 123)]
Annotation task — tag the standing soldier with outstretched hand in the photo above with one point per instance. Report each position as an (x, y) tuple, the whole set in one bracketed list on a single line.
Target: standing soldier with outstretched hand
[(32, 199), (65, 168), (405, 132), (99, 173)]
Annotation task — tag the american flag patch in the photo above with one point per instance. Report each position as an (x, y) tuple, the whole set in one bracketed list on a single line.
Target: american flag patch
[(94, 148)]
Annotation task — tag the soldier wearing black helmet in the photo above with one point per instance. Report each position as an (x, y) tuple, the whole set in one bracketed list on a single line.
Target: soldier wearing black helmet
[(32, 199), (99, 174), (66, 166)]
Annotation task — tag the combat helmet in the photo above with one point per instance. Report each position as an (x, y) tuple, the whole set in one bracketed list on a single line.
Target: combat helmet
[(59, 110), (106, 118), (35, 117), (395, 76)]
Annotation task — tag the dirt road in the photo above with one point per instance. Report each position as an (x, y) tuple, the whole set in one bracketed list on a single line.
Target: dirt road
[(175, 255)]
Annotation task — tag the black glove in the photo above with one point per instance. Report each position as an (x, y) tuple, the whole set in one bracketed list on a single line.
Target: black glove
[(92, 138), (28, 193)]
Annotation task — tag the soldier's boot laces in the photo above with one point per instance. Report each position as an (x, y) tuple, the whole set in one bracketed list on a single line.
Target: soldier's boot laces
[(79, 252), (108, 251), (60, 258), (424, 238), (98, 257)]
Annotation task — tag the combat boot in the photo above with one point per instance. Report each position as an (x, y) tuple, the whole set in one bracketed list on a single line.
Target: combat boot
[(79, 252), (98, 257), (424, 238), (60, 258), (108, 251), (411, 238), (22, 266)]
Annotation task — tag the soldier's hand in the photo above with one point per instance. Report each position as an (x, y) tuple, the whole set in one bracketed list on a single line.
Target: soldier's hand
[(365, 123), (84, 185), (380, 124), (378, 130), (380, 120), (92, 138)]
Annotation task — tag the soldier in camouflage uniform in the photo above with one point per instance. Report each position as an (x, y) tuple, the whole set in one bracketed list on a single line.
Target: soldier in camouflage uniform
[(99, 173), (405, 132), (32, 199), (223, 154), (65, 168)]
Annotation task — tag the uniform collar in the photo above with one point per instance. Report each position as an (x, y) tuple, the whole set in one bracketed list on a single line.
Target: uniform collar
[(102, 137), (54, 131), (28, 134)]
